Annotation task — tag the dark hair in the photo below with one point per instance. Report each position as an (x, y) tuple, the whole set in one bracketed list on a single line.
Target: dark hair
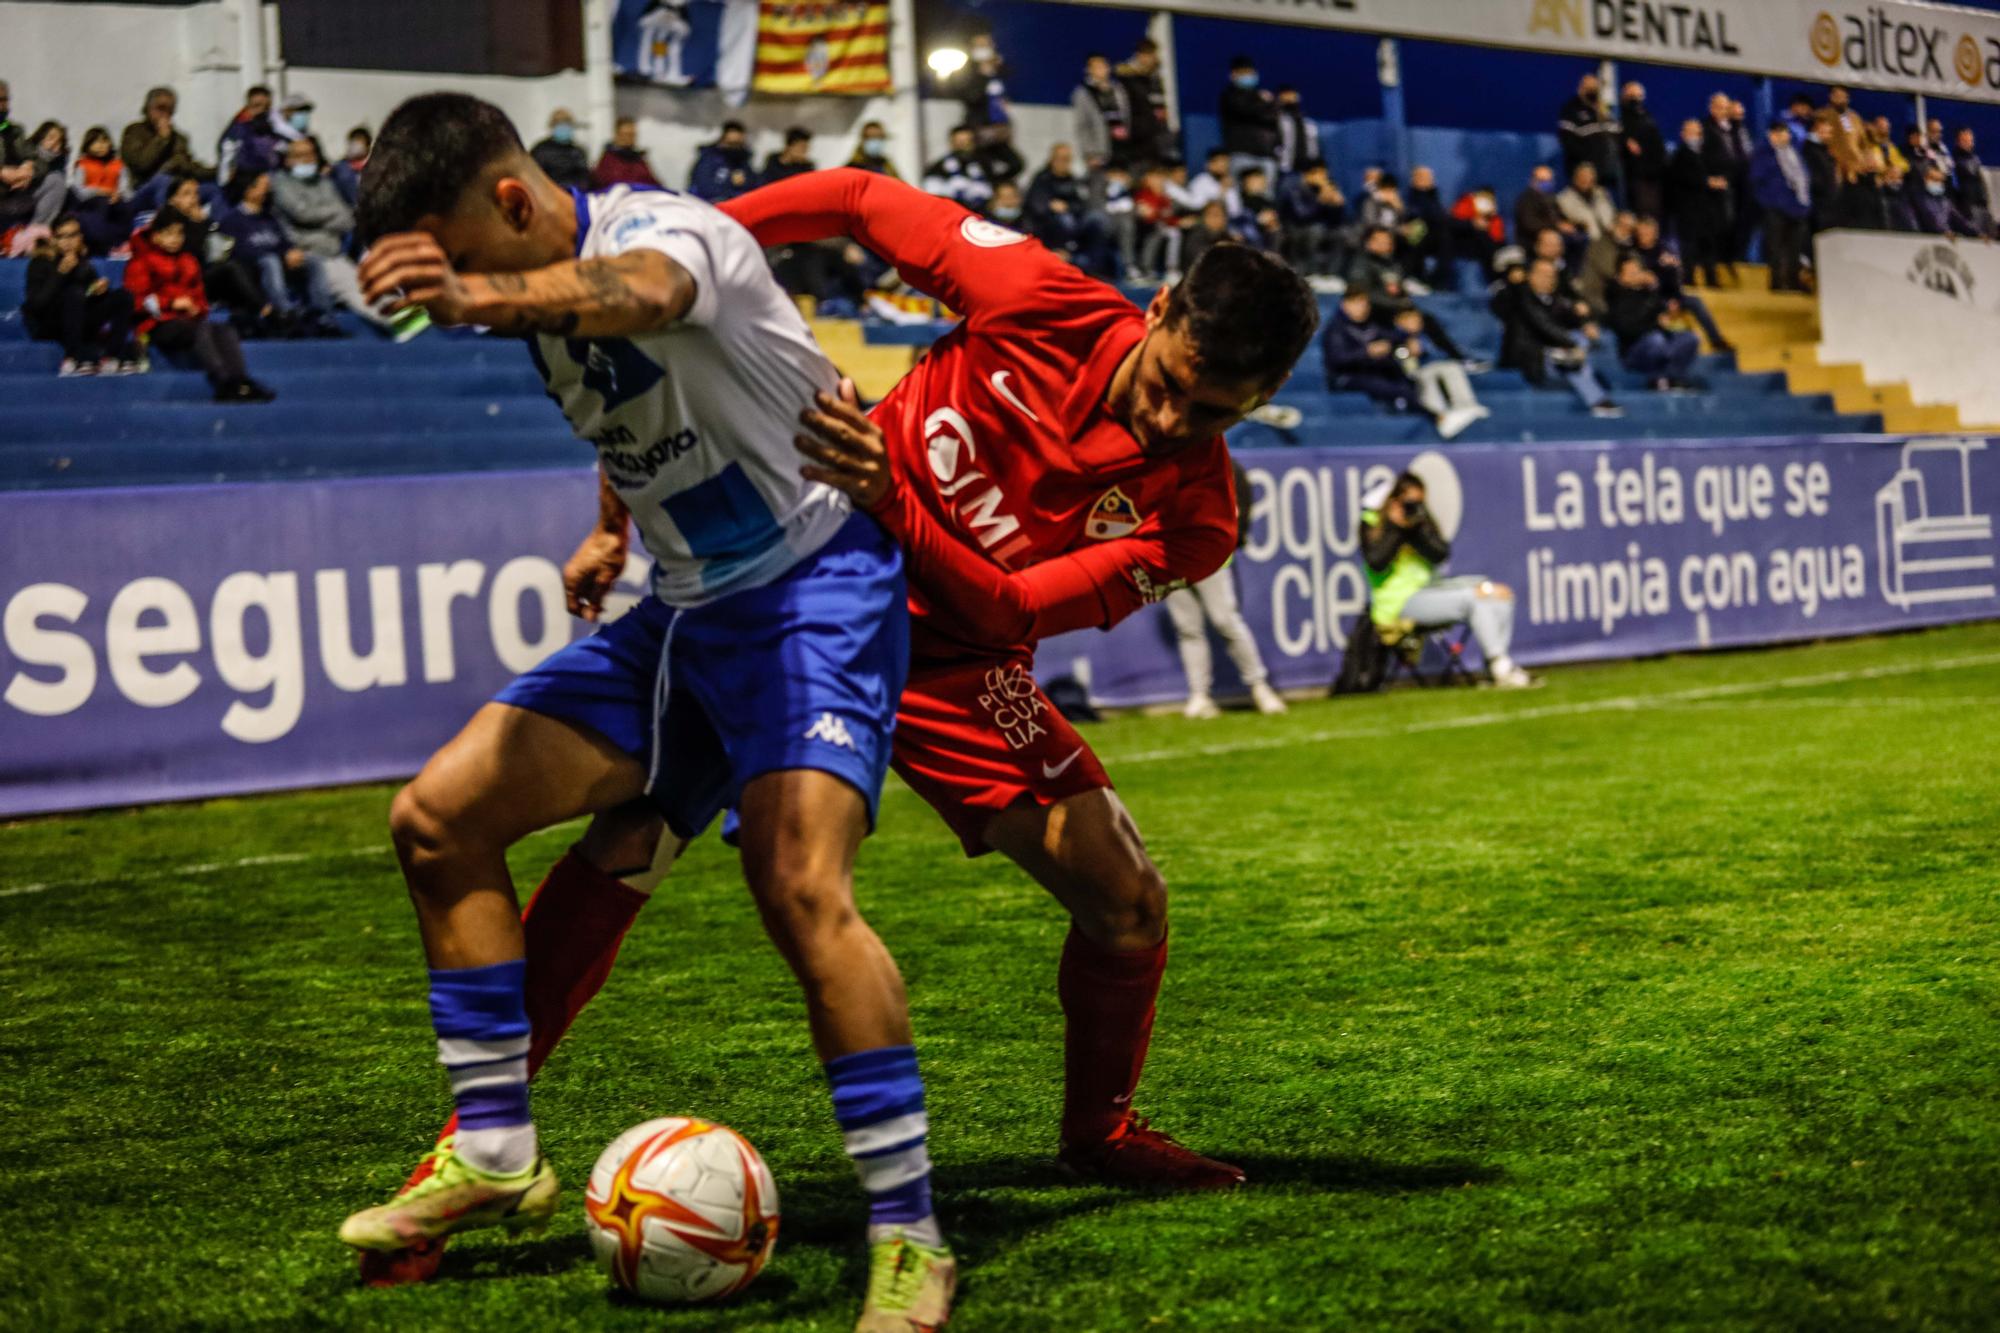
[(959, 129), (254, 89), (1406, 480), (1097, 55), (1645, 218), (1312, 164), (431, 150), (736, 125), (153, 94), (1372, 232), (1241, 62), (1247, 313), (1388, 180), (1214, 153), (1248, 172), (1284, 88), (95, 131), (364, 132), (1146, 46), (174, 185), (239, 185), (798, 134), (65, 220), (165, 218), (1801, 96)]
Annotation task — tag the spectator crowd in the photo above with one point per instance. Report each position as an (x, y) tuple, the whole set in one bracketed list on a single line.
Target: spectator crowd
[(1605, 247)]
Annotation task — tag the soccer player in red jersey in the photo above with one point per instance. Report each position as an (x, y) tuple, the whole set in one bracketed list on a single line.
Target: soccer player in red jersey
[(1053, 463)]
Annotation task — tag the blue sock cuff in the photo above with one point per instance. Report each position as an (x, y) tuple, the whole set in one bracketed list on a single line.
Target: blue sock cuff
[(481, 1003), (871, 1086)]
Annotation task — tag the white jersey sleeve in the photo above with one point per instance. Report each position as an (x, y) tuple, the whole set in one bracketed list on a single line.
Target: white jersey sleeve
[(693, 425)]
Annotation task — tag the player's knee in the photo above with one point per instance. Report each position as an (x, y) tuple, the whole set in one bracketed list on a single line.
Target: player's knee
[(807, 913), (1131, 911), (418, 828)]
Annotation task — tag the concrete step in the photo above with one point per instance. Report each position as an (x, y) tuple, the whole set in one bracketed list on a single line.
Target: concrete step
[(1921, 420)]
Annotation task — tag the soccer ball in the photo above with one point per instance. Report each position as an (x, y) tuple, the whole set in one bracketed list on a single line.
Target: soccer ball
[(682, 1210)]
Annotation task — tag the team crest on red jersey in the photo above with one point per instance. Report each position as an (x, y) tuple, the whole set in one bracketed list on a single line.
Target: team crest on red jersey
[(1113, 516)]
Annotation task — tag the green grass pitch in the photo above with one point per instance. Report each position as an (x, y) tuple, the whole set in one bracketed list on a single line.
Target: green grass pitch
[(1664, 997)]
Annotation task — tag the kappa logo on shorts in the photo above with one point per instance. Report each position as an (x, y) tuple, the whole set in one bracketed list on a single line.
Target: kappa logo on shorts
[(831, 730)]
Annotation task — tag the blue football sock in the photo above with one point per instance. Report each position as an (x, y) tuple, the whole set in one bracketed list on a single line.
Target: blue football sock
[(481, 1018), (878, 1098)]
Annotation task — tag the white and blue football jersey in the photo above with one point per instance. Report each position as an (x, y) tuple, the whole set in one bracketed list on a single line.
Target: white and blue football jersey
[(694, 424)]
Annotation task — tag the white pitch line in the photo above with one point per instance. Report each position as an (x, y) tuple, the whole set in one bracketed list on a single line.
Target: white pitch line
[(198, 869), (1623, 703), (1630, 703)]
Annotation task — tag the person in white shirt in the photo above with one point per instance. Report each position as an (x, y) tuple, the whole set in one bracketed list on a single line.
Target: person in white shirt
[(761, 676)]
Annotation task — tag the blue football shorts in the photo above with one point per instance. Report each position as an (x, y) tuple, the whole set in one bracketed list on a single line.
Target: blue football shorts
[(803, 672)]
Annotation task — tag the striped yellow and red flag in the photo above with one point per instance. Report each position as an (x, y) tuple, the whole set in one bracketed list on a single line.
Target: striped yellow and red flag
[(822, 46)]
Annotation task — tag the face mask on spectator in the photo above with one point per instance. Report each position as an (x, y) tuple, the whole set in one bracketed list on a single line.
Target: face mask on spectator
[(1546, 186), (874, 147), (1248, 80), (304, 171), (300, 120), (357, 148), (1935, 187), (1005, 214), (563, 133), (981, 53)]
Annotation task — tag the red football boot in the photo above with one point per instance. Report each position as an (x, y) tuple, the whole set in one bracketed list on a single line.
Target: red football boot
[(418, 1263), (1137, 1156)]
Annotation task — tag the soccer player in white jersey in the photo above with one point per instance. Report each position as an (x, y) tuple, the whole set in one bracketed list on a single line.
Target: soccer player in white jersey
[(762, 674)]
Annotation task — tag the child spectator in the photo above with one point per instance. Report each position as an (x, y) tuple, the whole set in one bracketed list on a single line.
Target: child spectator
[(165, 281), (317, 220), (69, 303), (101, 191), (231, 283), (287, 274)]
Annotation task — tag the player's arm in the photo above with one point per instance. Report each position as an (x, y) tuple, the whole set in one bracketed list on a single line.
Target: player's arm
[(640, 291), (1089, 589), (918, 233), (600, 558)]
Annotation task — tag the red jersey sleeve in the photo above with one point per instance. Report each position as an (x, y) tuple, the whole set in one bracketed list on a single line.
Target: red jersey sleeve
[(1092, 588), (976, 267)]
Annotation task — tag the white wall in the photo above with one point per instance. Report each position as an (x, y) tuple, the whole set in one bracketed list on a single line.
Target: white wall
[(121, 50), (1882, 304), (91, 64)]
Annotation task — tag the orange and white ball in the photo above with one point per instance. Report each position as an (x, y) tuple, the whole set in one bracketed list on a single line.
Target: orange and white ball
[(682, 1210)]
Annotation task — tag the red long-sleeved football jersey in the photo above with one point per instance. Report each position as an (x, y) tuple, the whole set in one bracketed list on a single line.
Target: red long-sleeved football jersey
[(1023, 508)]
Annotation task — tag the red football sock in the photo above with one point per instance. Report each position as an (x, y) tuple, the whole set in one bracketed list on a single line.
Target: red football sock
[(1107, 1001), (572, 929)]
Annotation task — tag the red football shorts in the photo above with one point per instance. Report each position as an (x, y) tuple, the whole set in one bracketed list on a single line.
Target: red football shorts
[(975, 737)]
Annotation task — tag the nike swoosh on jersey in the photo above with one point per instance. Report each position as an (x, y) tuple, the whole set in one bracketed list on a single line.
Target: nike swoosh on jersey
[(1050, 770), (1000, 387)]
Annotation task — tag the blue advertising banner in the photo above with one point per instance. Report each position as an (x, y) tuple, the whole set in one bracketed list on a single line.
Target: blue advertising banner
[(177, 642), (1613, 550)]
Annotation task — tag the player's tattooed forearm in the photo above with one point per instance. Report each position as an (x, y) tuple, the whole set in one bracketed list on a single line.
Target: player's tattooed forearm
[(598, 292)]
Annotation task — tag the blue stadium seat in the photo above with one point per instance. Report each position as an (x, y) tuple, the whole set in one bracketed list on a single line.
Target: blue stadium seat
[(452, 401)]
